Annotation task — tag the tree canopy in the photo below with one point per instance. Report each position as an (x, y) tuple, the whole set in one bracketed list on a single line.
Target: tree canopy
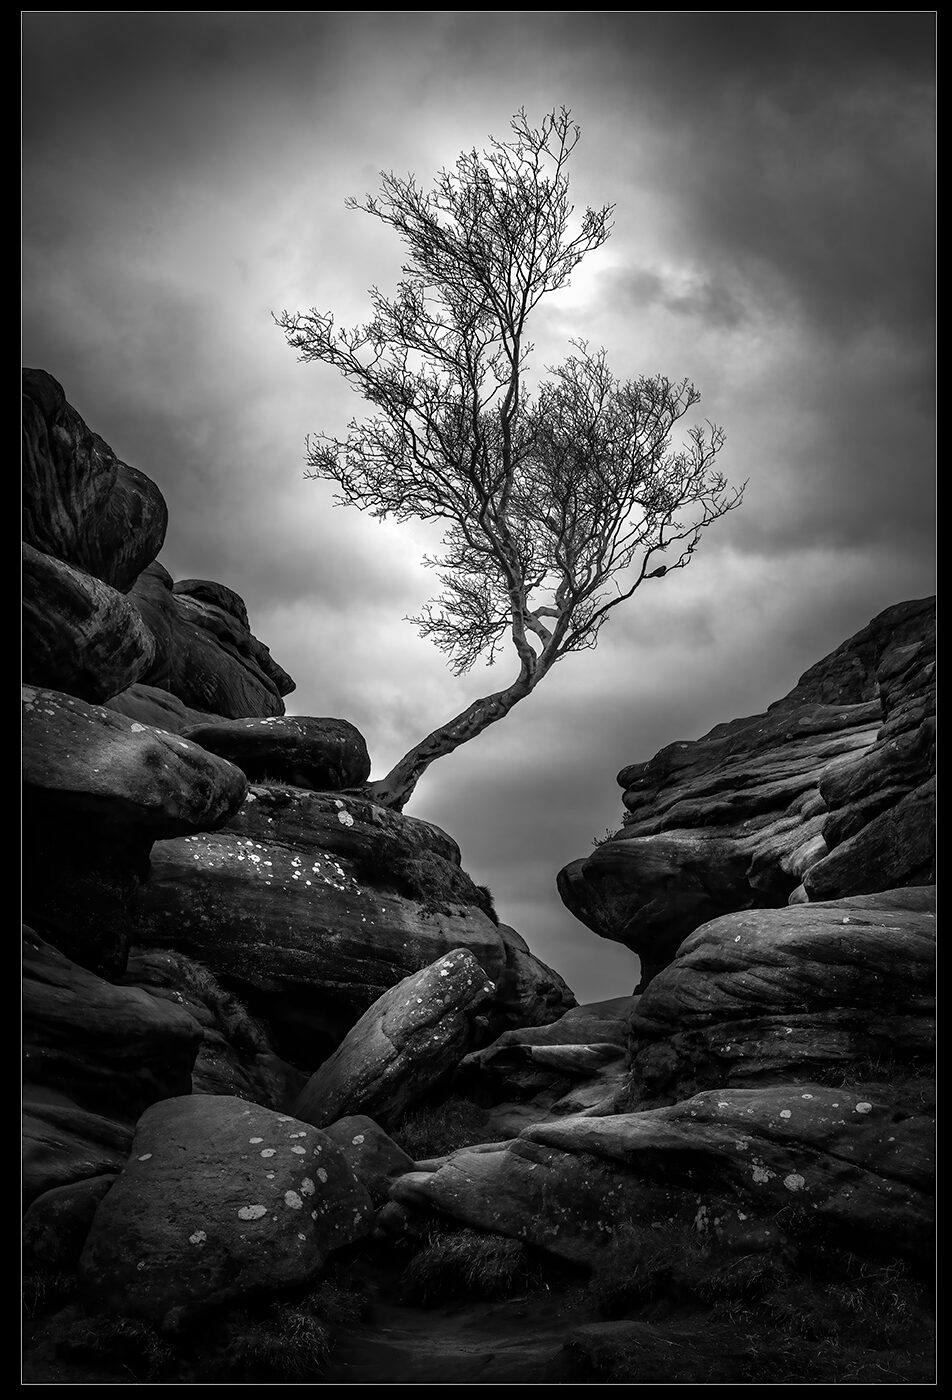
[(558, 501)]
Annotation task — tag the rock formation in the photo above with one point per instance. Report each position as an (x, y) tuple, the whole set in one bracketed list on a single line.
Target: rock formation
[(827, 794)]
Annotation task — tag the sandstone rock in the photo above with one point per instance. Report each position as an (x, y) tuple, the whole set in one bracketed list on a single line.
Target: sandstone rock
[(98, 789), (64, 1144), (235, 1058), (149, 705), (220, 1200), (111, 1050), (728, 1161), (56, 1225), (79, 634), (588, 1043), (205, 654), (375, 1158), (782, 994), (311, 906), (325, 755), (80, 503), (528, 992), (409, 1040), (741, 819), (94, 765)]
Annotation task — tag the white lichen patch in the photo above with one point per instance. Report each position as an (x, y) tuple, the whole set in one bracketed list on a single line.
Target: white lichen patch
[(301, 1134), (292, 1200), (307, 1187), (137, 728), (268, 1152), (345, 819), (785, 1113), (199, 1237), (299, 1150), (358, 1139), (863, 1108), (256, 1140), (321, 1174), (252, 1212), (794, 1182), (806, 1096), (145, 1157), (759, 1173)]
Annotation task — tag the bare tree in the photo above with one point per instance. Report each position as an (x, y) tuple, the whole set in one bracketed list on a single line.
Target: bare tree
[(559, 503)]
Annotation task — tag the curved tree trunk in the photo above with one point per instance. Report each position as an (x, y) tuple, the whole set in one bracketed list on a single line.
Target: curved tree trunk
[(397, 787)]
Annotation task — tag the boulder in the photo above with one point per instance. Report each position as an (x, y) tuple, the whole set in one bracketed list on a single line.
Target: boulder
[(149, 705), (750, 816), (325, 755), (111, 1050), (79, 634), (98, 790), (205, 654), (311, 906), (744, 1165), (405, 1044), (63, 1144), (55, 1226), (587, 1045), (779, 995), (80, 503), (375, 1158), (220, 1201)]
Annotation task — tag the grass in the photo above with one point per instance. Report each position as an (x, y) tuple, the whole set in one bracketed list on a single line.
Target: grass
[(124, 1341), (466, 1264), (434, 1130), (810, 1313)]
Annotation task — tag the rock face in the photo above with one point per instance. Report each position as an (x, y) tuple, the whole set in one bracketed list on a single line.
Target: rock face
[(827, 794), (63, 1144), (204, 652), (325, 755), (80, 503), (727, 1162), (219, 1200), (235, 1058), (98, 790), (79, 635), (311, 906), (780, 995), (149, 705), (109, 1049), (412, 1037)]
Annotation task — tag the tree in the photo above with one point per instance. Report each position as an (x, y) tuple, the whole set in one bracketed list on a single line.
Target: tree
[(558, 503)]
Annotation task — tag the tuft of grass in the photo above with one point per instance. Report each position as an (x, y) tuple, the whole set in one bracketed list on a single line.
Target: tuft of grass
[(466, 1264), (290, 1344), (642, 1265), (434, 1130), (236, 1023), (123, 1341)]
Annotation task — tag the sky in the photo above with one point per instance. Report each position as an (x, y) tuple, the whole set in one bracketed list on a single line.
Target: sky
[(184, 179)]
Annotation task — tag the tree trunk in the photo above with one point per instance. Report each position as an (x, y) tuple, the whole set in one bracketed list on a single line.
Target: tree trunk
[(397, 787)]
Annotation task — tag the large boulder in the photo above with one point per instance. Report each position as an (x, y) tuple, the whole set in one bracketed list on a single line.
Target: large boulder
[(743, 1165), (98, 790), (824, 795), (79, 634), (325, 755), (205, 653), (411, 1038), (220, 1200), (375, 1158), (845, 987), (311, 906), (80, 503), (111, 1050)]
